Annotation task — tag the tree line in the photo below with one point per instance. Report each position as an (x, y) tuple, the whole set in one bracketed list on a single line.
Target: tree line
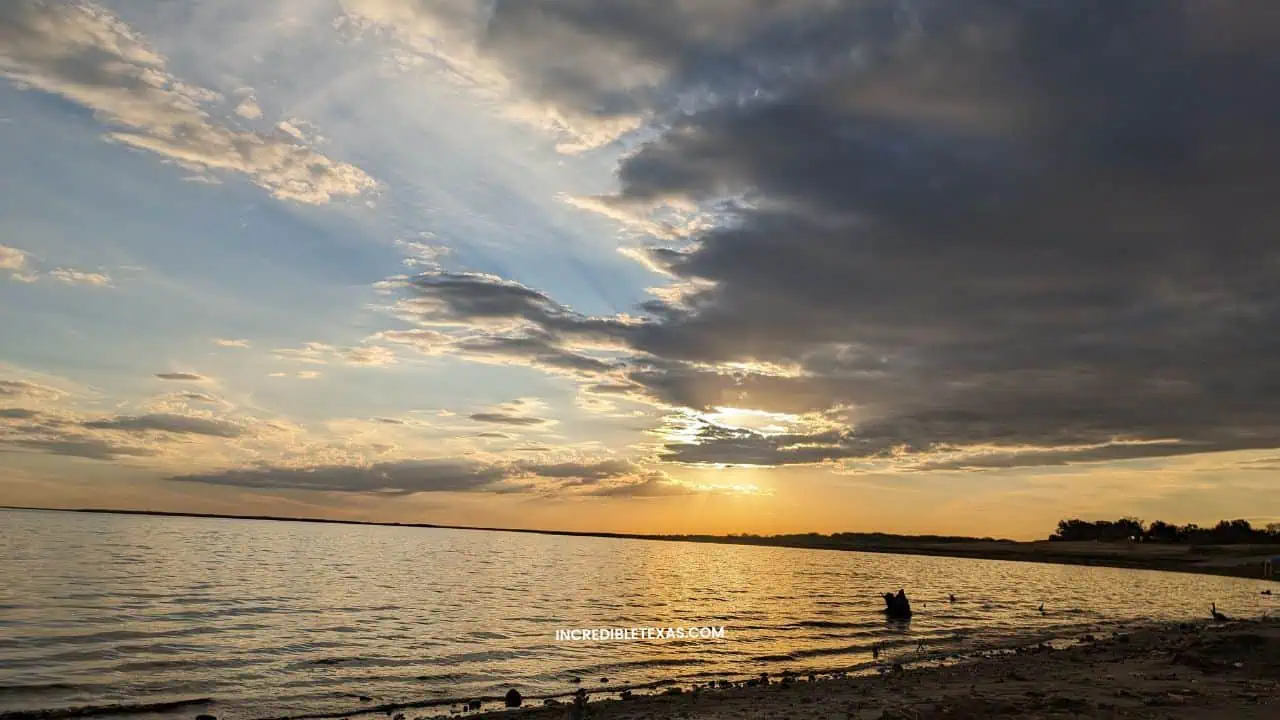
[(1226, 532)]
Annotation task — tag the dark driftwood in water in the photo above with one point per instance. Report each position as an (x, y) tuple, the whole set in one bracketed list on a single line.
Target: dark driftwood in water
[(897, 607)]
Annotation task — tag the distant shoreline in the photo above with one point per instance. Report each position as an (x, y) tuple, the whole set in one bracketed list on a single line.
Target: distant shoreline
[(1227, 560)]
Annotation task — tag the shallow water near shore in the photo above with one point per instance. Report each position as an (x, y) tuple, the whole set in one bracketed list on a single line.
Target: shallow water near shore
[(274, 619)]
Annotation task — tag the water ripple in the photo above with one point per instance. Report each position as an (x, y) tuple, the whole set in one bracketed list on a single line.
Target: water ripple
[(288, 619)]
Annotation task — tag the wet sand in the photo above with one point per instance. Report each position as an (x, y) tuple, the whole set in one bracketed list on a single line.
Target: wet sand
[(1190, 670)]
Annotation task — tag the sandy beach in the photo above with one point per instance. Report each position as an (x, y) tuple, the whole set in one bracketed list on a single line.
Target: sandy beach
[(1188, 670)]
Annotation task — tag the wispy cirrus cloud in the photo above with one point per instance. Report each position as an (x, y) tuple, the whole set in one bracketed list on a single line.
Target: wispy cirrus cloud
[(231, 343), (80, 277), (19, 264), (316, 353), (79, 51)]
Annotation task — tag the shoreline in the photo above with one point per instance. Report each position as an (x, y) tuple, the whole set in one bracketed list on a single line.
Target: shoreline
[(1189, 669), (1199, 669), (1219, 560)]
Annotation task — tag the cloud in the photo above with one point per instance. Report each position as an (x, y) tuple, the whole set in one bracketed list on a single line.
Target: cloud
[(17, 262), (12, 258), (422, 254), (488, 319), (372, 356), (198, 397), (181, 377), (591, 471), (403, 477), (647, 488), (249, 108), (89, 448), (169, 423), (78, 277), (535, 349), (56, 433), (407, 476), (85, 55), (229, 343), (501, 418), (593, 72), (991, 231), (316, 353), (26, 389)]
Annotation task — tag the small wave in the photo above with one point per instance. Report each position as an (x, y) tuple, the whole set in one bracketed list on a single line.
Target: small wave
[(93, 710), (330, 660), (636, 665), (831, 624), (34, 688)]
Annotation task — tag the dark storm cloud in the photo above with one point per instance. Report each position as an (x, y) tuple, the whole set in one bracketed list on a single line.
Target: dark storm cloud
[(402, 477), (536, 349), (168, 423), (623, 58), (181, 377), (974, 224), (471, 298)]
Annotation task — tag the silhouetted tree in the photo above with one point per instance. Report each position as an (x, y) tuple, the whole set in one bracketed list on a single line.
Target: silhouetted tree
[(1161, 531), (1226, 532)]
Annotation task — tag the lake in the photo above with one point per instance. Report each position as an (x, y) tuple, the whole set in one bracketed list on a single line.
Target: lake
[(274, 619)]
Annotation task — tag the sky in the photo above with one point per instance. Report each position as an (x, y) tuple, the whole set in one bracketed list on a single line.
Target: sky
[(643, 265)]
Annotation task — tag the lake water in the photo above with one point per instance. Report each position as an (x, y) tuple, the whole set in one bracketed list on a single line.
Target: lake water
[(274, 619)]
